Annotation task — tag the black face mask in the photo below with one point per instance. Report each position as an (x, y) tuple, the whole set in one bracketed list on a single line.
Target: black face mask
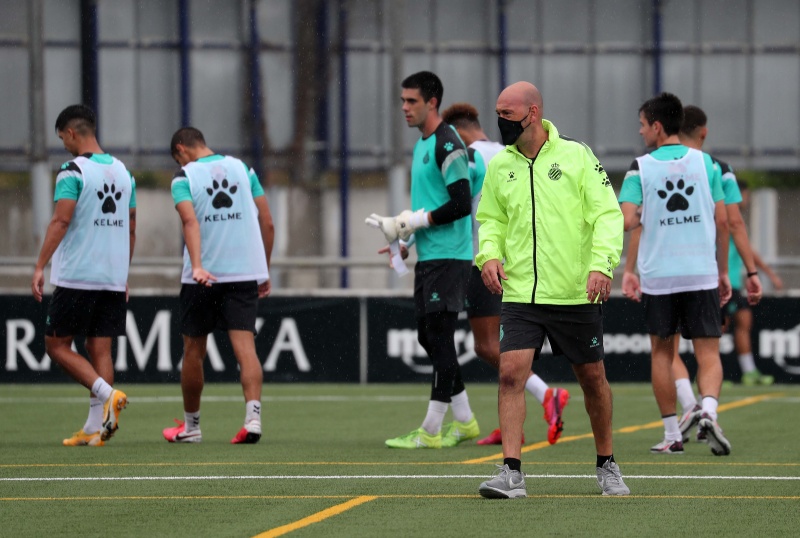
[(510, 130)]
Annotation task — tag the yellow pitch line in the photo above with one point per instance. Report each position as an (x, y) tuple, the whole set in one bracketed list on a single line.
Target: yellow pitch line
[(628, 429), (316, 518), (748, 401)]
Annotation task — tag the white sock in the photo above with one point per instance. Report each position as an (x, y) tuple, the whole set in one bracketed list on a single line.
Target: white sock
[(95, 419), (102, 390), (252, 413), (462, 412), (433, 420), (671, 430), (191, 421), (747, 363), (537, 387), (685, 393), (710, 407)]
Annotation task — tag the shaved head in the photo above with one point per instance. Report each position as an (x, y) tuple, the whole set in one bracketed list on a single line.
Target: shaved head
[(519, 117), (522, 93)]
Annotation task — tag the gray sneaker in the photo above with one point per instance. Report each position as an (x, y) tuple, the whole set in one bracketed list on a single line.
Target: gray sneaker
[(720, 446), (610, 480), (505, 484), (689, 420)]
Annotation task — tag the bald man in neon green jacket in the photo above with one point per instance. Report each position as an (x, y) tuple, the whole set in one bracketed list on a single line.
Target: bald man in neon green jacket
[(548, 210)]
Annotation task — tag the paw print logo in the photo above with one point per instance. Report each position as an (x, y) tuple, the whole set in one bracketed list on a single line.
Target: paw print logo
[(511, 176), (677, 198), (604, 177), (448, 146), (108, 195), (221, 198)]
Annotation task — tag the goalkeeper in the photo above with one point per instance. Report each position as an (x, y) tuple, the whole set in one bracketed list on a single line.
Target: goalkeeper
[(441, 205)]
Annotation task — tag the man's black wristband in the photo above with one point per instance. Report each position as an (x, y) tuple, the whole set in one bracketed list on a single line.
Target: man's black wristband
[(754, 273)]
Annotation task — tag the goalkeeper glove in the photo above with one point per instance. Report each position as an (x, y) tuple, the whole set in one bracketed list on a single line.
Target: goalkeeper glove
[(408, 222), (387, 225)]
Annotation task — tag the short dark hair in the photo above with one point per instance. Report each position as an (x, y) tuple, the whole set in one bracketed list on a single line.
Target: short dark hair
[(78, 117), (693, 119), (461, 116), (186, 136), (666, 109), (428, 84), (742, 185)]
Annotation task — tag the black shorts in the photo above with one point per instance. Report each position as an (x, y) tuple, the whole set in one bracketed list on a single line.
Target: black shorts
[(695, 314), (229, 306), (92, 313), (737, 302), (575, 331), (440, 286), (480, 302)]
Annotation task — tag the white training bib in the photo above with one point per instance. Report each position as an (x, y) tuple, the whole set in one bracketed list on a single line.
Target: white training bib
[(677, 252), (231, 245)]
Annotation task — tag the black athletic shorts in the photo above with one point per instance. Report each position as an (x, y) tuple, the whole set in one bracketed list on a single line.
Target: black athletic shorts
[(696, 314), (480, 302), (738, 302), (73, 312), (229, 306), (575, 331), (440, 286)]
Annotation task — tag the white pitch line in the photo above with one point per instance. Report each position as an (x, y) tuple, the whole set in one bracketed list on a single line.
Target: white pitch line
[(237, 399), (317, 398), (346, 477)]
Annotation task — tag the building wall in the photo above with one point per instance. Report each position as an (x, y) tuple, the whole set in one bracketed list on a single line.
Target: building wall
[(593, 60)]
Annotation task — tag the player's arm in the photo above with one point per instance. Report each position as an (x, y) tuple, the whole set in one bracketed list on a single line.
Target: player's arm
[(266, 224), (191, 236), (56, 230), (191, 232), (631, 287), (723, 238), (452, 159), (631, 197), (132, 219), (721, 222), (631, 214), (458, 206), (764, 266), (738, 232)]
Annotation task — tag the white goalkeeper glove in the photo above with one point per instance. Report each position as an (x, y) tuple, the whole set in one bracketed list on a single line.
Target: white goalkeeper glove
[(409, 222), (387, 225)]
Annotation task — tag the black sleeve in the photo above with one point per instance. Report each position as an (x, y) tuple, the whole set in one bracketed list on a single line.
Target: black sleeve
[(459, 205)]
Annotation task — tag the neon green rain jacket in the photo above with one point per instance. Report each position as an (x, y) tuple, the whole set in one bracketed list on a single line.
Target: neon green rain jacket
[(553, 219)]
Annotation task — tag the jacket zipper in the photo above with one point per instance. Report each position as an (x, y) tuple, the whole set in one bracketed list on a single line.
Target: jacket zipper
[(533, 231)]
